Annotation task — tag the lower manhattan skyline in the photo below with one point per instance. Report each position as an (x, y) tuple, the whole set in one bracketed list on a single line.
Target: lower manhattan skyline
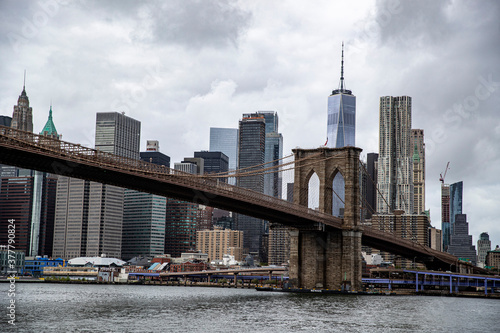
[(179, 78)]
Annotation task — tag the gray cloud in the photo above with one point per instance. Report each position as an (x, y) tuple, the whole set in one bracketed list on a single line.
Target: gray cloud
[(194, 23)]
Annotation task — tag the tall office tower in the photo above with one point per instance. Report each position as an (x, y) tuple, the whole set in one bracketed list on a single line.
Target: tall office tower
[(89, 215), (251, 156), (483, 246), (273, 154), (213, 162), (395, 161), (71, 221), (143, 232), (460, 240), (219, 242), (445, 214), (417, 142), (456, 194), (371, 184), (225, 140), (341, 132), (118, 134), (181, 220), (29, 201), (272, 183), (144, 214), (22, 117)]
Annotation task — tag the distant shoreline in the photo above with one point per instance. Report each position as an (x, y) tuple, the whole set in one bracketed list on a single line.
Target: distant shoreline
[(264, 288)]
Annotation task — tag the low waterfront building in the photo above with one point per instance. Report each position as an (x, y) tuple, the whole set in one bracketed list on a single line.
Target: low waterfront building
[(164, 258), (34, 265), (189, 266), (112, 274), (74, 273), (95, 262)]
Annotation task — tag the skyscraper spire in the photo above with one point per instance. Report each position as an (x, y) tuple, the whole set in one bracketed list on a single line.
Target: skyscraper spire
[(341, 89), (342, 69), (22, 117), (23, 93)]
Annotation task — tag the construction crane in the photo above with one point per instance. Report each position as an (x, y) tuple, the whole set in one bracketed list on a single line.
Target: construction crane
[(441, 176)]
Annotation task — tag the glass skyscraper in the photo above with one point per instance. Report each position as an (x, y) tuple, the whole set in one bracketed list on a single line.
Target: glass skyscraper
[(273, 152), (341, 132), (225, 140), (341, 128), (445, 214), (144, 216), (252, 137), (456, 191)]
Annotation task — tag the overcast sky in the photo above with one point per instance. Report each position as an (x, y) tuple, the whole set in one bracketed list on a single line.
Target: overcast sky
[(181, 67)]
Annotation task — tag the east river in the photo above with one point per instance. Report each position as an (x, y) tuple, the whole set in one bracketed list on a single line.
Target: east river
[(45, 307)]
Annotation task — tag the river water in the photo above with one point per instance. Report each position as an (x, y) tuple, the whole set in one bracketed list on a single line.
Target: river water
[(45, 307)]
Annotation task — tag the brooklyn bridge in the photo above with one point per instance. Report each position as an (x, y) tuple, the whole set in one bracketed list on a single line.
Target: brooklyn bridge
[(325, 251)]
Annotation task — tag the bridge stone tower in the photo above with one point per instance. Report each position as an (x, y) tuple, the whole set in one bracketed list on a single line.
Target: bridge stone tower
[(321, 257)]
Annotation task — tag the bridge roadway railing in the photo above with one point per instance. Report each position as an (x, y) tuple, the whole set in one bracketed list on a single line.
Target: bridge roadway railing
[(409, 244)]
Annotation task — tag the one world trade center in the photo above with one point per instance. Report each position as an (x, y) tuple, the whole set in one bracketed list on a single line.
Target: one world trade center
[(341, 131)]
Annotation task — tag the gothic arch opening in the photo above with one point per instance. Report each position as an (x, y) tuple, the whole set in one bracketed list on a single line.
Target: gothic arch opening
[(338, 194), (313, 191)]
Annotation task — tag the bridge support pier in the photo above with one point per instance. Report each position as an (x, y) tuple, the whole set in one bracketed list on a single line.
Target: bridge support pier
[(325, 260), (329, 258)]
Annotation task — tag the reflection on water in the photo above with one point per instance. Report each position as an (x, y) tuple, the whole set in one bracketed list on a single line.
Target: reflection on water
[(128, 308)]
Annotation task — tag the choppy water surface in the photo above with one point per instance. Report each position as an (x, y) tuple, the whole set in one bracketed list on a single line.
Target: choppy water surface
[(128, 308)]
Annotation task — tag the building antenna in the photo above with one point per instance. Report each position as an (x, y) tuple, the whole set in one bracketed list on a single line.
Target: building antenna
[(342, 69), (24, 82)]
